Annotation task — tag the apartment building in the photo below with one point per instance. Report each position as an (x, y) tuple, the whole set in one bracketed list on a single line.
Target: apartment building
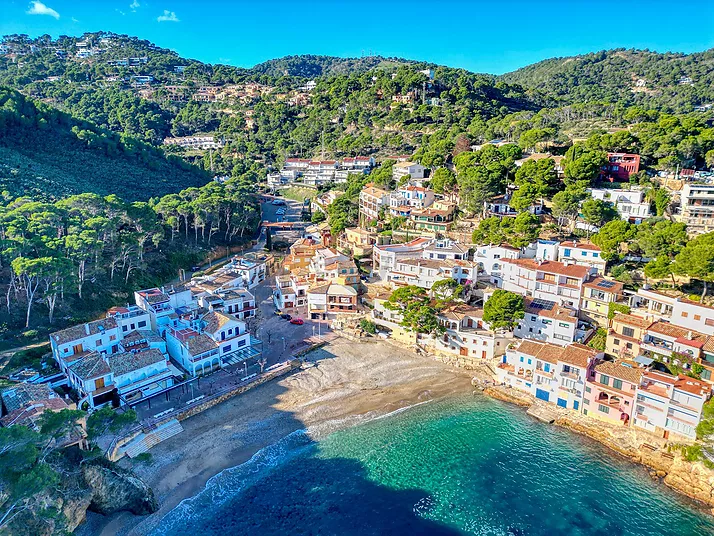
[(435, 219), (445, 249), (667, 404), (697, 208), (598, 294), (371, 202), (385, 256), (667, 340), (407, 169), (356, 241), (546, 280), (408, 198), (425, 272), (490, 260)]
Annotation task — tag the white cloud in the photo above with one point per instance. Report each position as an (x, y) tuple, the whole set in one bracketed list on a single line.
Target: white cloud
[(168, 16), (134, 5), (74, 20), (38, 8), (120, 11)]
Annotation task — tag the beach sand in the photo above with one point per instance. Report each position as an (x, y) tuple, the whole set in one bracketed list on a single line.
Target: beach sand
[(344, 383)]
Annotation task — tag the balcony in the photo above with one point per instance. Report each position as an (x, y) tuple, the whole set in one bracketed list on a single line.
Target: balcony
[(572, 375)]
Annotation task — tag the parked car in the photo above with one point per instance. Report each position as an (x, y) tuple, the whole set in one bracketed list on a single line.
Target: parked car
[(297, 321), (278, 202), (286, 316), (195, 268)]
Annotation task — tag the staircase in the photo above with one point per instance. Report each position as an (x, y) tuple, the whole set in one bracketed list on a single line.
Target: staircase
[(144, 441)]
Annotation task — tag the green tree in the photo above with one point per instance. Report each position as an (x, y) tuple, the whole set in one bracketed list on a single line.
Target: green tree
[(446, 290), (611, 237), (503, 309), (696, 259)]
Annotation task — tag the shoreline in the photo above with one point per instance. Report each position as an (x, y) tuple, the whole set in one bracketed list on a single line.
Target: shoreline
[(343, 384), (690, 479)]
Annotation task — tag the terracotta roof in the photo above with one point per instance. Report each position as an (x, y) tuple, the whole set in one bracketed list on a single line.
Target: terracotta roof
[(698, 304), (578, 355), (692, 385), (682, 335), (632, 320), (127, 362), (580, 245), (461, 311), (84, 330), (551, 267), (620, 371), (541, 350), (32, 410)]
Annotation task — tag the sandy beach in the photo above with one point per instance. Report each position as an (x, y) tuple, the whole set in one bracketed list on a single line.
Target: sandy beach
[(344, 383)]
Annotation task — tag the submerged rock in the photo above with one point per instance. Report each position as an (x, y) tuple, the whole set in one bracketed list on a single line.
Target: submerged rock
[(114, 489)]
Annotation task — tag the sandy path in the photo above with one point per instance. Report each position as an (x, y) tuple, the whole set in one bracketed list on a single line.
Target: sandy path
[(348, 382)]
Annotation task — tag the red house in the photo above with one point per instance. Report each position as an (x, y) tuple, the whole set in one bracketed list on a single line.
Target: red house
[(620, 166)]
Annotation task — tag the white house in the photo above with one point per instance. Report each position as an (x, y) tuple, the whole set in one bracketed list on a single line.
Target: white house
[(425, 272), (547, 321), (670, 404), (490, 260), (467, 335), (546, 280), (582, 254), (384, 257), (137, 374), (630, 204), (410, 169)]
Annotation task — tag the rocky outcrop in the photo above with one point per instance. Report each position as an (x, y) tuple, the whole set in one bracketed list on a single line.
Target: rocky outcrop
[(114, 489), (509, 395), (692, 479)]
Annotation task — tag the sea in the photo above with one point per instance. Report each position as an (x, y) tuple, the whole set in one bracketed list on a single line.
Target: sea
[(464, 465)]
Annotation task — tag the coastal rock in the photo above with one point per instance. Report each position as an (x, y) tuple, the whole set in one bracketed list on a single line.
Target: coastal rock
[(509, 395), (114, 490), (692, 479)]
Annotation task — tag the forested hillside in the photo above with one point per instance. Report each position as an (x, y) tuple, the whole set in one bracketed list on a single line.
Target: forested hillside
[(312, 66), (49, 154), (669, 82)]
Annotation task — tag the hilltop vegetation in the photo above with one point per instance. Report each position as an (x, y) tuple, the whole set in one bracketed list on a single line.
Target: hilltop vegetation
[(48, 153), (313, 66), (669, 82)]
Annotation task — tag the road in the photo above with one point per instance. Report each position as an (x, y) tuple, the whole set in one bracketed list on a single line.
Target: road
[(280, 338)]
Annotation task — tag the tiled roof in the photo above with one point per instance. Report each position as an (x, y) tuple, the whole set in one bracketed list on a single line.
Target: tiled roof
[(692, 385), (580, 245), (16, 396), (557, 312), (578, 355), (80, 331), (606, 285), (200, 343), (632, 320), (541, 350), (127, 362), (215, 320), (32, 410), (620, 371), (461, 311), (90, 367), (682, 335), (551, 267)]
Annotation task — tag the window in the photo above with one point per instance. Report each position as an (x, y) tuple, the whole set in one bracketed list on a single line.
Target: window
[(596, 255), (709, 321), (546, 322), (125, 328), (628, 332), (241, 343), (533, 318), (697, 317), (587, 389), (529, 361), (617, 384), (585, 412), (521, 359), (616, 342), (603, 409), (142, 324), (685, 314), (98, 342), (586, 401), (628, 346), (584, 254), (605, 380), (566, 253), (226, 348), (563, 324)]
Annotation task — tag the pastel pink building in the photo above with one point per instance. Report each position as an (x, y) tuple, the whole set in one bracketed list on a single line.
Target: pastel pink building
[(610, 392)]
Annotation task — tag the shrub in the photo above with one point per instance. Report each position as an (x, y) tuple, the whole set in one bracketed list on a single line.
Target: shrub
[(369, 326)]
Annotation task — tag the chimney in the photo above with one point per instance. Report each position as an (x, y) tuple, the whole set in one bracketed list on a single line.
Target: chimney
[(86, 328)]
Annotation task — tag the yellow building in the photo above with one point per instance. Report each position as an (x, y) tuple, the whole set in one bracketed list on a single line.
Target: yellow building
[(625, 335)]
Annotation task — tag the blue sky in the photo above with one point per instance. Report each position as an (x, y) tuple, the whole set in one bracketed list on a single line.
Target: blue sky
[(483, 36)]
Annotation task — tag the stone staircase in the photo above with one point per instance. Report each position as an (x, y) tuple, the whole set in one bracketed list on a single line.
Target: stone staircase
[(144, 441)]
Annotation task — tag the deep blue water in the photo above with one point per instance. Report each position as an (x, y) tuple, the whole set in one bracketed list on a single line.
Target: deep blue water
[(462, 466)]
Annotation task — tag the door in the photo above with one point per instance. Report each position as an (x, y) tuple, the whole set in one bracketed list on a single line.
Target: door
[(483, 354), (77, 349), (464, 351), (562, 403), (98, 384), (542, 395), (576, 405)]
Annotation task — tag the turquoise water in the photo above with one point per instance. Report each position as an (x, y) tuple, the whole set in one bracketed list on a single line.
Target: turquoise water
[(463, 466)]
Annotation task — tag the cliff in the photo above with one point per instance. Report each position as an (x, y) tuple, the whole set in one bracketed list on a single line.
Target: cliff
[(97, 486)]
